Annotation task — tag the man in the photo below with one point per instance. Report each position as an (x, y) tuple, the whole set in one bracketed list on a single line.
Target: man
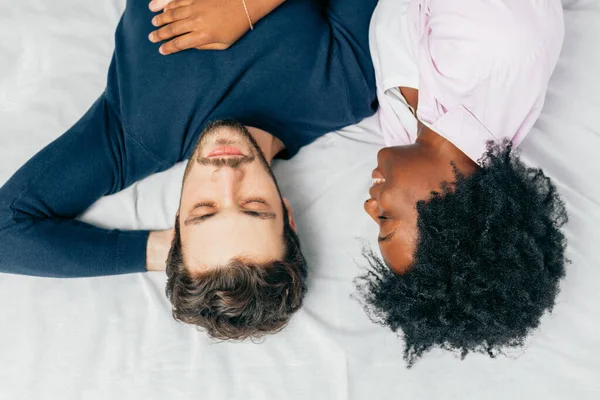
[(239, 276), (470, 237), (235, 267)]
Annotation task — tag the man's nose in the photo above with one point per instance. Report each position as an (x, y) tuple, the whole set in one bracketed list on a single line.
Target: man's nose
[(228, 180), (371, 209)]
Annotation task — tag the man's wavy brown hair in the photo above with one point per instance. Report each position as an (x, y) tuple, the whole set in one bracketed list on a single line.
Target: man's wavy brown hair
[(240, 300)]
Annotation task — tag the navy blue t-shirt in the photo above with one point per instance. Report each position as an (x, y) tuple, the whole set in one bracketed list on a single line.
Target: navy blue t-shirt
[(305, 70)]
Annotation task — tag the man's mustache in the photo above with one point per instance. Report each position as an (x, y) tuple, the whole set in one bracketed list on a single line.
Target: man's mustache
[(231, 162)]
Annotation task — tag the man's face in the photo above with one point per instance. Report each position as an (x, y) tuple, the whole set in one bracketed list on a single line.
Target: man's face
[(230, 204)]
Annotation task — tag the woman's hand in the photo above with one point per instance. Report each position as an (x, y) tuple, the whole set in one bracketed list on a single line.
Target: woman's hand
[(204, 24)]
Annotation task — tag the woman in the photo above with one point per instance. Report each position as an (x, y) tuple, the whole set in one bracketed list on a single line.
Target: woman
[(470, 239)]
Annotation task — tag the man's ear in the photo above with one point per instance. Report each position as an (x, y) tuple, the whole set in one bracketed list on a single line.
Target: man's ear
[(288, 207)]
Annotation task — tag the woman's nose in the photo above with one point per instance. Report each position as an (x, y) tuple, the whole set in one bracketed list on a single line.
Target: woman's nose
[(371, 209)]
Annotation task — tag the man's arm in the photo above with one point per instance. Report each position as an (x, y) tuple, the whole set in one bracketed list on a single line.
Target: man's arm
[(38, 205)]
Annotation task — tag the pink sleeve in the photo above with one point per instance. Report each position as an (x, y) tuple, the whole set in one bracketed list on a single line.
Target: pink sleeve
[(484, 68)]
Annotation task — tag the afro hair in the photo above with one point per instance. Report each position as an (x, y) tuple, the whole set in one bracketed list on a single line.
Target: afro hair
[(487, 266)]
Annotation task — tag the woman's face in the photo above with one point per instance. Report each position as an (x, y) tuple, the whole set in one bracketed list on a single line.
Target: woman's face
[(405, 175)]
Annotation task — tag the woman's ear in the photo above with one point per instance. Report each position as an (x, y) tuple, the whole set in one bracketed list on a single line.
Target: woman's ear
[(288, 207)]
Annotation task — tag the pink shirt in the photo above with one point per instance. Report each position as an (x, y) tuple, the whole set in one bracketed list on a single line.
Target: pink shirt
[(482, 67)]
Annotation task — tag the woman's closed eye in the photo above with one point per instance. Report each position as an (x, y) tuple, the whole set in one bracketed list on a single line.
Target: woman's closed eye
[(386, 238)]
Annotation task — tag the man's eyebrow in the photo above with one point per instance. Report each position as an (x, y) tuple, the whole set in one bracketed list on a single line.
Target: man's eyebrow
[(197, 220), (254, 214), (261, 214), (387, 237)]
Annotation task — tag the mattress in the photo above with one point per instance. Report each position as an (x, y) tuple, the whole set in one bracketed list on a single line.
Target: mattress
[(114, 337)]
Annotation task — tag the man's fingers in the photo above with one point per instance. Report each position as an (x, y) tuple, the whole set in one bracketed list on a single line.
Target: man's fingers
[(189, 41), (171, 16), (171, 30)]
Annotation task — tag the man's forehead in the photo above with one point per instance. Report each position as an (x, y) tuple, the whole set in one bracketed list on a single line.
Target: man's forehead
[(215, 243)]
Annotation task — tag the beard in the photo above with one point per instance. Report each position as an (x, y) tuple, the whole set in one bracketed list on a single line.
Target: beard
[(212, 129)]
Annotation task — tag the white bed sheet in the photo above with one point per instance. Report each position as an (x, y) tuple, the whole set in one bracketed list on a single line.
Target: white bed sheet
[(113, 337)]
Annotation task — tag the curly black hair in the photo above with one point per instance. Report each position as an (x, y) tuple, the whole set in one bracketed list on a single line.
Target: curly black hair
[(488, 262)]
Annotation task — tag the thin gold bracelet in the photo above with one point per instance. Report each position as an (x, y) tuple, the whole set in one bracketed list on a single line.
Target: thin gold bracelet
[(248, 15)]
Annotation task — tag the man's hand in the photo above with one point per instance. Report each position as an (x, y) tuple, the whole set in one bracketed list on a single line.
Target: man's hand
[(157, 249), (204, 24)]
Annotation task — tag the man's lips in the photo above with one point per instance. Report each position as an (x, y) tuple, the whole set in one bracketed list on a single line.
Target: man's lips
[(225, 151)]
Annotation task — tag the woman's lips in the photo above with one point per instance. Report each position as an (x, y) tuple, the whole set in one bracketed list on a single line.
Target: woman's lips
[(225, 151), (376, 174), (377, 178), (377, 181)]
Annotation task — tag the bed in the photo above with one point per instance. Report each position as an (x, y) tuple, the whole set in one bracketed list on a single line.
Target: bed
[(113, 337)]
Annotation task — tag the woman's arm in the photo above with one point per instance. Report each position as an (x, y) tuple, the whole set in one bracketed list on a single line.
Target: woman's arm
[(218, 24), (205, 24)]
